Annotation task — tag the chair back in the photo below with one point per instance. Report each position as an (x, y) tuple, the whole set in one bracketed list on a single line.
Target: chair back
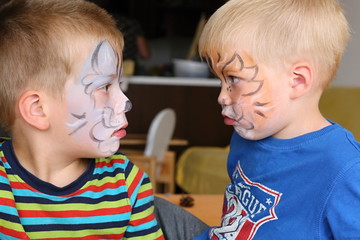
[(160, 133), (145, 164)]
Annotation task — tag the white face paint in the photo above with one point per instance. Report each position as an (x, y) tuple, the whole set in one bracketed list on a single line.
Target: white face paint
[(96, 104)]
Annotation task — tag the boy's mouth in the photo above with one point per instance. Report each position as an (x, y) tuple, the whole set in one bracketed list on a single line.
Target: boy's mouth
[(120, 133), (228, 120)]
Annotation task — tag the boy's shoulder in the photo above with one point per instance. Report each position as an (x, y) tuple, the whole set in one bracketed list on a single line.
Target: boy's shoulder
[(333, 138), (116, 162), (119, 162)]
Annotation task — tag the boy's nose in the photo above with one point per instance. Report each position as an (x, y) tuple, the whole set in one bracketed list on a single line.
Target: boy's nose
[(123, 107), (128, 106), (223, 98)]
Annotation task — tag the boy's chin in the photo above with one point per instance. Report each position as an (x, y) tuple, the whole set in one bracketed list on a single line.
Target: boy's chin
[(249, 134), (109, 148)]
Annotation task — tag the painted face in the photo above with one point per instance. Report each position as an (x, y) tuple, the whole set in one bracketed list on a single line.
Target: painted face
[(248, 96), (96, 104)]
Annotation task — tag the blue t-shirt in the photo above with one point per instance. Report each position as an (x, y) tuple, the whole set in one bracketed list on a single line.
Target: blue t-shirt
[(303, 188)]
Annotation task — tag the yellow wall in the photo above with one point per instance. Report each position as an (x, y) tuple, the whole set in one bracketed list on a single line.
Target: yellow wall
[(341, 105)]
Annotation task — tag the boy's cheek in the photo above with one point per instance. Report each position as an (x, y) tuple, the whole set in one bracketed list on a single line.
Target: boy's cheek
[(101, 133)]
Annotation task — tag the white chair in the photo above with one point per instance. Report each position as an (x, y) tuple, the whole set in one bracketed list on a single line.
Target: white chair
[(160, 132)]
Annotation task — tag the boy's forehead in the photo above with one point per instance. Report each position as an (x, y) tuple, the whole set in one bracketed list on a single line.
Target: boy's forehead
[(224, 55), (96, 55)]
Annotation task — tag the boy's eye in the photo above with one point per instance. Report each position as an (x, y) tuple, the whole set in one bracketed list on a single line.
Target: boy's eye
[(233, 80), (105, 88)]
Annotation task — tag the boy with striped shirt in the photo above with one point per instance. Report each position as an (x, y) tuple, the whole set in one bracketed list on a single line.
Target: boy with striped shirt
[(61, 176)]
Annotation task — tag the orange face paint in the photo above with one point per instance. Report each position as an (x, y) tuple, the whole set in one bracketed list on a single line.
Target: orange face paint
[(248, 93)]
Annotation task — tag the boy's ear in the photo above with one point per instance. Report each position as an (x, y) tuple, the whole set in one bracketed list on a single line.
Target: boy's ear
[(32, 110), (301, 79)]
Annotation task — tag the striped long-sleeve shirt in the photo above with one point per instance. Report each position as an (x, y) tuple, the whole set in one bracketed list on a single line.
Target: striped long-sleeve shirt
[(113, 199)]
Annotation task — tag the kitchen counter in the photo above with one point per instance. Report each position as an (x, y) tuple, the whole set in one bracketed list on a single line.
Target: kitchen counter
[(174, 81)]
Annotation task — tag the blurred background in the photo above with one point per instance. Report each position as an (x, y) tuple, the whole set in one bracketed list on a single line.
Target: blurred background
[(169, 27), (159, 31)]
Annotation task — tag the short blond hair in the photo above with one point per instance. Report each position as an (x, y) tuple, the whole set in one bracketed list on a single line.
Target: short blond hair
[(281, 31), (39, 42)]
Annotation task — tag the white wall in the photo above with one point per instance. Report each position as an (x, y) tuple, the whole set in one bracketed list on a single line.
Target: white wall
[(348, 73)]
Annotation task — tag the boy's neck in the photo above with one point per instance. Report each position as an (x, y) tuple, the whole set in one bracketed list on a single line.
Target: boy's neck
[(305, 120), (47, 165), (304, 128)]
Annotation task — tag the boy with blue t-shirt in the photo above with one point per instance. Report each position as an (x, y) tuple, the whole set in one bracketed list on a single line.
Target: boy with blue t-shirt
[(61, 176), (294, 174)]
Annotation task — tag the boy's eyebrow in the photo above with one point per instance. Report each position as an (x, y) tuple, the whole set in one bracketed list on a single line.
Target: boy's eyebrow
[(116, 76), (113, 76)]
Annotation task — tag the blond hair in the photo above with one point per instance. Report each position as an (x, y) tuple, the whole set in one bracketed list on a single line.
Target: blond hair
[(281, 31), (39, 42)]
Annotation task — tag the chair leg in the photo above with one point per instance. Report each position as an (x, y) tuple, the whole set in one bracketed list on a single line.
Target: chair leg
[(167, 173)]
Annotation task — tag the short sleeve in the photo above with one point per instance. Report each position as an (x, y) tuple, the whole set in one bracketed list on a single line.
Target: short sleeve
[(343, 206)]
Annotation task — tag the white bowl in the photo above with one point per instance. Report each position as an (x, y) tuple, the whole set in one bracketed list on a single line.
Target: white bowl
[(190, 68)]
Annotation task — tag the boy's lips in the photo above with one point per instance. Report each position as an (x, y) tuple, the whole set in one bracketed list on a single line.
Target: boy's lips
[(229, 121), (120, 133)]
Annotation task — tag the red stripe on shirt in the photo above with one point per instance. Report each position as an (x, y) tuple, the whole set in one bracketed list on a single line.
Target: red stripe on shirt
[(160, 238), (21, 185), (92, 237), (7, 202), (135, 183), (94, 188), (75, 213), (138, 222), (102, 164), (13, 233), (3, 159), (145, 194), (3, 174)]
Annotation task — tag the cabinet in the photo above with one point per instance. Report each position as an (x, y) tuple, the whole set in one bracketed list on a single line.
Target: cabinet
[(199, 117)]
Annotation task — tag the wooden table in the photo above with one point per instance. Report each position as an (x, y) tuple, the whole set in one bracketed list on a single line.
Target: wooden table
[(207, 207)]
